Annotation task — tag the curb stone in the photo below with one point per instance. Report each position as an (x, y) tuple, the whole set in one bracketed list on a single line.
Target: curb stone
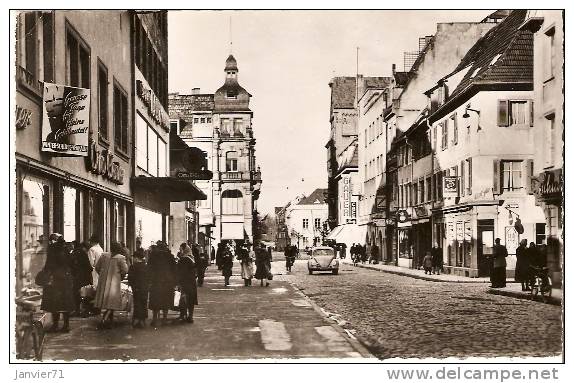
[(356, 342)]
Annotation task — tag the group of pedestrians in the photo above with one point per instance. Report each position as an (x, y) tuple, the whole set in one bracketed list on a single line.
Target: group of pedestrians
[(432, 261), (84, 280), (529, 262), (259, 258), (358, 253)]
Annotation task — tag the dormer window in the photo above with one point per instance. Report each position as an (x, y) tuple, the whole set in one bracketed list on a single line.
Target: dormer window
[(231, 94), (231, 74)]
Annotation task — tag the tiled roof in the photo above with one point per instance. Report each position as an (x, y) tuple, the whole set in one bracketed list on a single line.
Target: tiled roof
[(343, 91), (317, 195), (503, 55), (183, 105)]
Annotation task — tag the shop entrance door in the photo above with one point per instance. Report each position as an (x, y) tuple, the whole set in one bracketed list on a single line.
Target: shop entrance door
[(485, 240)]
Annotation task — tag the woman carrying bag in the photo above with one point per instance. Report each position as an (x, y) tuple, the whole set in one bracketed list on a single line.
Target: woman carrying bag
[(111, 269), (57, 282), (186, 275)]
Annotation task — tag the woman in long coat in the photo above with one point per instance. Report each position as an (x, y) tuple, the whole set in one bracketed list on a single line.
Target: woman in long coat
[(226, 262), (58, 295), (186, 275), (522, 270), (138, 279), (111, 269), (81, 272), (246, 258), (263, 264), (161, 266)]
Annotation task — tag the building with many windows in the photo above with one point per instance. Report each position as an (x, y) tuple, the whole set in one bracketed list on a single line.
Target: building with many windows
[(477, 136), (548, 78), (220, 125), (305, 219)]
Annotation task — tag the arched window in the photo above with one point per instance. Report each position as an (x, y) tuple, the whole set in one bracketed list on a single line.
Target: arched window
[(232, 202)]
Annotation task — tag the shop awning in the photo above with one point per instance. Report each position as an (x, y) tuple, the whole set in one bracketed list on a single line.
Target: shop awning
[(168, 188), (349, 234)]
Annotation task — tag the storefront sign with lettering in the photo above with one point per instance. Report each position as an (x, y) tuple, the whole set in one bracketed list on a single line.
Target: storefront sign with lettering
[(102, 162), (155, 109), (450, 186), (66, 120), (23, 117), (551, 183)]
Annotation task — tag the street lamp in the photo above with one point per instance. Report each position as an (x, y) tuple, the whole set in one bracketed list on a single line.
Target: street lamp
[(467, 109)]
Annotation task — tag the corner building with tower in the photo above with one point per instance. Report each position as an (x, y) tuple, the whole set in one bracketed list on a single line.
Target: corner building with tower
[(220, 125)]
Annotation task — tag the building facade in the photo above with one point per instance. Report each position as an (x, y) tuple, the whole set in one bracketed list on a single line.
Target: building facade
[(548, 78), (479, 143), (304, 219), (220, 125), (74, 139)]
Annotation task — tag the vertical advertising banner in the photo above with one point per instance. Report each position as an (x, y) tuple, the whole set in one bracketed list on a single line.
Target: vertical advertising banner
[(66, 120)]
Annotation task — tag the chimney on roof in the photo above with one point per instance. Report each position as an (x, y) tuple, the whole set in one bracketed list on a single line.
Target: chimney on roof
[(195, 91), (394, 69)]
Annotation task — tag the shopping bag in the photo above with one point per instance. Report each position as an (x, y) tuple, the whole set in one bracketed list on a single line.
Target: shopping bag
[(176, 299), (127, 298), (44, 278), (88, 291)]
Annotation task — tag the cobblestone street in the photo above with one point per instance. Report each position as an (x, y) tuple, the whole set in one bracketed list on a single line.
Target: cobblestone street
[(402, 317)]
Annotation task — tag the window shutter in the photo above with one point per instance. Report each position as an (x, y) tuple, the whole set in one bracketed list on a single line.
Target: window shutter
[(496, 177), (502, 112), (462, 178), (528, 172), (531, 112)]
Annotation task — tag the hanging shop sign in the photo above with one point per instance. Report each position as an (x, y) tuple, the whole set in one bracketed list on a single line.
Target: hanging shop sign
[(347, 198), (23, 117), (402, 216), (450, 186), (66, 120), (189, 164), (421, 211), (550, 184), (102, 162), (154, 107)]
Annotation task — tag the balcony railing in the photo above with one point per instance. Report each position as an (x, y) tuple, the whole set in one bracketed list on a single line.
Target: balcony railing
[(29, 81), (232, 176)]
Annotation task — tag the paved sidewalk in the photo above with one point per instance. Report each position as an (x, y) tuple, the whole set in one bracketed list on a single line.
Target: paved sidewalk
[(419, 274), (515, 290), (231, 322)]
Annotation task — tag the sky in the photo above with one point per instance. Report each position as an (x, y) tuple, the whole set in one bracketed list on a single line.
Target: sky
[(286, 60)]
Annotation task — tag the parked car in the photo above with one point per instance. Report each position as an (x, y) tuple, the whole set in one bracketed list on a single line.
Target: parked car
[(323, 258)]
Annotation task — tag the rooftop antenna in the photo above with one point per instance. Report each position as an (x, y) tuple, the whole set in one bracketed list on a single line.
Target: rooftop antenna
[(230, 36), (357, 81)]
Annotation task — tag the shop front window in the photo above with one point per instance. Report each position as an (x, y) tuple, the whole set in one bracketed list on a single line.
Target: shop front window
[(35, 227), (120, 208), (404, 244), (70, 209), (148, 226)]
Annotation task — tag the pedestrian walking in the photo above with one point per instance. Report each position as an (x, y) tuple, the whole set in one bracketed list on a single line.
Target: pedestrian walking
[(522, 270), (212, 259), (162, 269), (374, 254), (94, 254), (343, 250), (263, 265), (201, 262), (111, 269), (225, 262), (58, 294), (436, 254), (499, 264), (186, 277), (427, 263), (363, 252), (290, 255), (81, 273), (138, 279), (246, 258)]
